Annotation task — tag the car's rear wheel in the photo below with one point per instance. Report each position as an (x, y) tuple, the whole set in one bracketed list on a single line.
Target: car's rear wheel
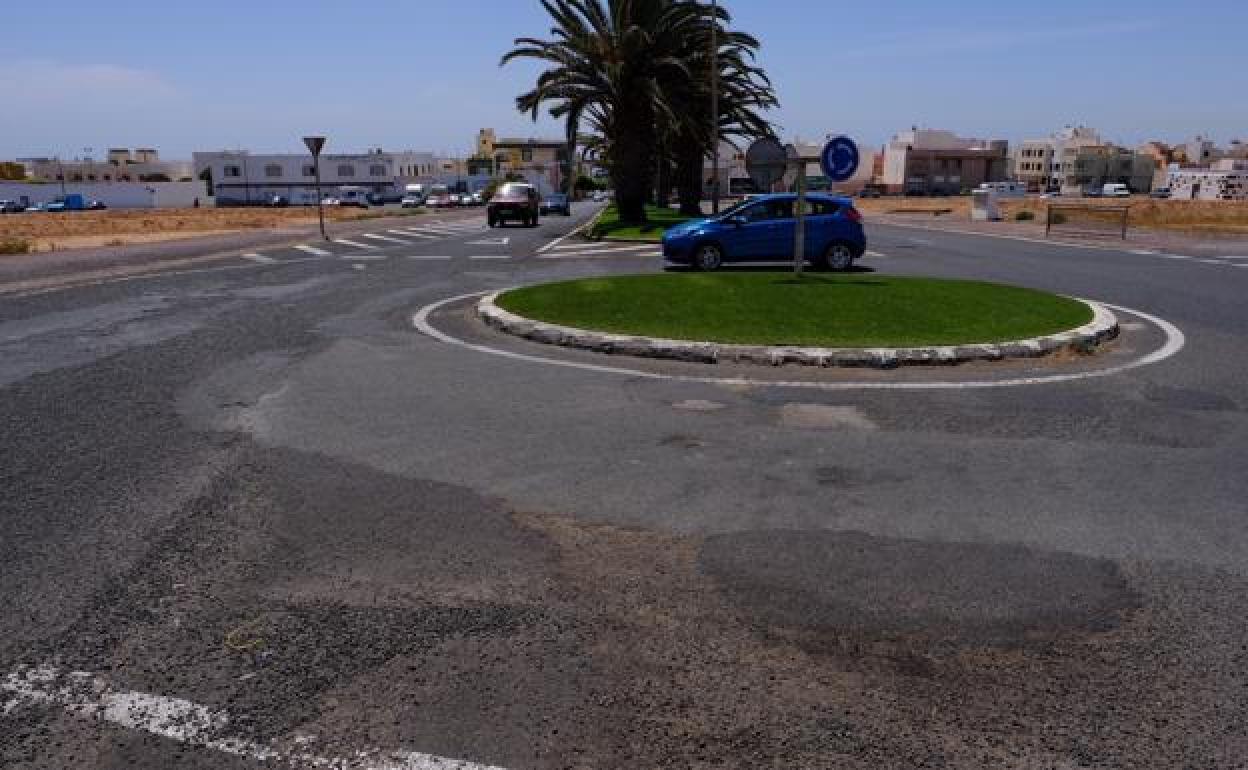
[(708, 257), (839, 256)]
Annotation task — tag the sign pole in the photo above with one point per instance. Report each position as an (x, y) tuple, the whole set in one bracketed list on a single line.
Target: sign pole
[(799, 238), (315, 144)]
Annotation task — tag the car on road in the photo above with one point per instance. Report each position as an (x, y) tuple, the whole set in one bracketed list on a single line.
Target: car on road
[(762, 229), (1115, 190), (452, 199), (96, 205), (1161, 193), (514, 201), (11, 207), (556, 203)]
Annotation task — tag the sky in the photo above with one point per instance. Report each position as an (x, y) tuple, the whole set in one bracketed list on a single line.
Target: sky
[(425, 75)]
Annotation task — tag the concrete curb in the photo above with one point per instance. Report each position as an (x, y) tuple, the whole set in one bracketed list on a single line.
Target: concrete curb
[(1102, 327)]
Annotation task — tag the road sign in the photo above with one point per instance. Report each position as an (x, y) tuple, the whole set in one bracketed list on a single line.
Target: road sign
[(767, 162), (839, 159), (314, 144)]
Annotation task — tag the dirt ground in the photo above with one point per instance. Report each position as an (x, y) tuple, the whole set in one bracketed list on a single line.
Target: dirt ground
[(1207, 217), (86, 229)]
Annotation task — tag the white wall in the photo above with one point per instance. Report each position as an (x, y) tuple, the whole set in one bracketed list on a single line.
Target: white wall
[(116, 195)]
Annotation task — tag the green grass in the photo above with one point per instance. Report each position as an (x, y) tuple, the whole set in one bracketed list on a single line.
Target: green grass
[(609, 227), (773, 308)]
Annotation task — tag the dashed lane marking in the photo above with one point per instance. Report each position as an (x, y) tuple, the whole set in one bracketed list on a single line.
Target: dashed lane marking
[(313, 250), (386, 238), (363, 257), (426, 257), (259, 258), (355, 244), (412, 234), (93, 698), (870, 253), (490, 256)]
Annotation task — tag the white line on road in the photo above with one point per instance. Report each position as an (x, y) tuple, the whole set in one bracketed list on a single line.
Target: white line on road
[(93, 698), (1175, 342), (356, 257), (870, 253), (1213, 262), (260, 258), (386, 238), (491, 256), (354, 244), (1171, 256), (411, 234), (313, 250), (563, 238), (425, 257)]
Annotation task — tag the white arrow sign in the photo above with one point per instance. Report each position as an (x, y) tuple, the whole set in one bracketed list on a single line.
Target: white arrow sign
[(491, 242)]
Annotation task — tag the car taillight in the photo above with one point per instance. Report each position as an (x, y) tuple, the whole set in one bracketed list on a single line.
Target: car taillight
[(852, 214)]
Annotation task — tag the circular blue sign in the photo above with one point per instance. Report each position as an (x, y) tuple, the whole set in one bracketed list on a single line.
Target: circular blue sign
[(839, 159)]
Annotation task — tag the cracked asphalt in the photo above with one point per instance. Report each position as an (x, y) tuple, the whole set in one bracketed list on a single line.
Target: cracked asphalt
[(261, 491)]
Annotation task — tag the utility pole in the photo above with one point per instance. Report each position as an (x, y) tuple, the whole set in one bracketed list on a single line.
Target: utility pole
[(714, 106)]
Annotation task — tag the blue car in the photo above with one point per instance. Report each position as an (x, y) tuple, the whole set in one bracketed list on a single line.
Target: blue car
[(762, 229)]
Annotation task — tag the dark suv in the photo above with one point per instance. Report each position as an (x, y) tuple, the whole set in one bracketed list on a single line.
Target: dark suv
[(514, 201)]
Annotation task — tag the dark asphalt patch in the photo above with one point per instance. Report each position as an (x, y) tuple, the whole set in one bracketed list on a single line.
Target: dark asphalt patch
[(846, 583)]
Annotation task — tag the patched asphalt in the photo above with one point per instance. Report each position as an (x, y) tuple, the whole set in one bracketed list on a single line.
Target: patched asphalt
[(263, 492)]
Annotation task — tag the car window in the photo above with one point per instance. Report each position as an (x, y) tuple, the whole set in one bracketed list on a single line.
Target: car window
[(821, 208), (757, 213)]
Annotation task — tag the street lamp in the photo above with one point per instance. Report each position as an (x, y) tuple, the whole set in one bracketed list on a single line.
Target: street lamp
[(314, 145), (714, 107)]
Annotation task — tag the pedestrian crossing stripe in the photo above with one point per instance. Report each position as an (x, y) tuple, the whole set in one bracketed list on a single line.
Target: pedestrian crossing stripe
[(412, 234), (387, 238), (355, 244), (313, 250)]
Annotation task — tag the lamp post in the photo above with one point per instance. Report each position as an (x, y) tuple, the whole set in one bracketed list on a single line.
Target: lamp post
[(714, 106), (314, 145)]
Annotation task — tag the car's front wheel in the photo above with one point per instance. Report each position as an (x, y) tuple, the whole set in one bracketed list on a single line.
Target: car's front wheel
[(839, 256), (708, 257)]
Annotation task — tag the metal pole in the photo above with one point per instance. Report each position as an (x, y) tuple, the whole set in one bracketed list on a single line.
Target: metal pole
[(714, 106), (320, 200), (61, 167), (799, 238)]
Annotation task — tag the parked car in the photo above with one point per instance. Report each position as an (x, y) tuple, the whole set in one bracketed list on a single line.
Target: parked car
[(330, 200), (277, 201), (868, 192), (96, 205), (762, 229), (1115, 190), (453, 199), (35, 208), (556, 203), (350, 195), (478, 199), (11, 207), (71, 202), (1161, 193), (514, 201)]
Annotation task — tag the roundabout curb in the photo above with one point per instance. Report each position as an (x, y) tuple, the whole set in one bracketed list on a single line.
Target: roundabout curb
[(1102, 327)]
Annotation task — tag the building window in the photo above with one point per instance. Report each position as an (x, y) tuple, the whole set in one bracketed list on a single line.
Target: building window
[(377, 169), (309, 170), (526, 155), (273, 170), (346, 169), (232, 171)]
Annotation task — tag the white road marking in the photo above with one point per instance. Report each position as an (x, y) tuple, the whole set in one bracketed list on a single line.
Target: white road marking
[(410, 234), (93, 698), (355, 257), (1213, 262), (1144, 252), (146, 276), (259, 258), (386, 238), (490, 256), (595, 254), (425, 256), (1175, 342), (563, 238), (1230, 257), (354, 244), (870, 253), (1171, 256), (491, 242), (313, 250), (358, 267)]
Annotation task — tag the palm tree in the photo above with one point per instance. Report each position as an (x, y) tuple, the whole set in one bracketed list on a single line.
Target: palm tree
[(612, 63)]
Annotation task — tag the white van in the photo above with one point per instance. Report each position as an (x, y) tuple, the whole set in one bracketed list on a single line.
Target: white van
[(1115, 190), (1005, 189), (413, 196), (353, 196)]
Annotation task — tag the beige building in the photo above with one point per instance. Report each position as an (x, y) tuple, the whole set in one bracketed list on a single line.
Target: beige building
[(121, 165), (934, 162), (546, 158), (1044, 164)]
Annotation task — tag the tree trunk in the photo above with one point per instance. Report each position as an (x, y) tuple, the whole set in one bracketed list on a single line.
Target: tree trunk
[(689, 178), (632, 162)]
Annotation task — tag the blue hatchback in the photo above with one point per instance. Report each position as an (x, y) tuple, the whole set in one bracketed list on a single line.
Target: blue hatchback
[(763, 228)]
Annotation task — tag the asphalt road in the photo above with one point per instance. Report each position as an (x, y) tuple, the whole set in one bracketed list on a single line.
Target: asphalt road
[(265, 516)]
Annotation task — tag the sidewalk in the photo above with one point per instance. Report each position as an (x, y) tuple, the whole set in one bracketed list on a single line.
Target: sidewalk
[(1168, 241)]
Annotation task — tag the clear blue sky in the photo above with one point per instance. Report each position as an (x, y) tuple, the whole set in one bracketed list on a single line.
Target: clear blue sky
[(423, 74)]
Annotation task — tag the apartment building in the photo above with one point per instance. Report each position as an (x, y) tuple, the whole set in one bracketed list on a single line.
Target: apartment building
[(120, 165), (1224, 180), (541, 159), (936, 162), (1043, 164), (1094, 167), (237, 177)]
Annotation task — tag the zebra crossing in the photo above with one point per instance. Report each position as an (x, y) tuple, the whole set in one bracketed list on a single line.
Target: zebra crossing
[(368, 246)]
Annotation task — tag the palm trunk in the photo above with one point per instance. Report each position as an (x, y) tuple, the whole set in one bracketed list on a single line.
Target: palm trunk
[(689, 178), (632, 167)]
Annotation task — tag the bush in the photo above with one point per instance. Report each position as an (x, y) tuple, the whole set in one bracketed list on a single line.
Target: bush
[(10, 245), (1024, 216)]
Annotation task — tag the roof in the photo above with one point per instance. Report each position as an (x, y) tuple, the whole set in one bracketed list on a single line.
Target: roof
[(513, 142)]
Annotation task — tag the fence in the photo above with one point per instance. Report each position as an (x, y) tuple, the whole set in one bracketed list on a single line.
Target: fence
[(1087, 220)]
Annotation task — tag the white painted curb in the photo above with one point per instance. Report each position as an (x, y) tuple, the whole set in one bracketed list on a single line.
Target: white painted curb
[(1102, 327)]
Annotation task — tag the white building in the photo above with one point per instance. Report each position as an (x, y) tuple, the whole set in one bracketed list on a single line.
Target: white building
[(236, 177), (1225, 180), (122, 165)]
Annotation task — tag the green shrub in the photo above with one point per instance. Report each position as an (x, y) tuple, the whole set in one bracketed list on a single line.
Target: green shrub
[(1024, 216), (10, 245)]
